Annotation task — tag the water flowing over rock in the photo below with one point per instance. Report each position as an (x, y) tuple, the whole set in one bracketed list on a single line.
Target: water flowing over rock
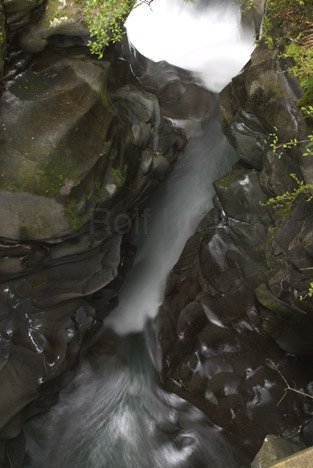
[(83, 145), (93, 146), (232, 304)]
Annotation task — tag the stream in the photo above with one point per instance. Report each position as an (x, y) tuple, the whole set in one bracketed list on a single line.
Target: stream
[(115, 414)]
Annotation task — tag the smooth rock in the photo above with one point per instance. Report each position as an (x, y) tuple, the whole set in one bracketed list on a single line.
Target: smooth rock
[(18, 11), (274, 448)]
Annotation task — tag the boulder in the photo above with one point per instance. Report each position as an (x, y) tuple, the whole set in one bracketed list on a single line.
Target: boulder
[(18, 12), (63, 18), (59, 102), (79, 147)]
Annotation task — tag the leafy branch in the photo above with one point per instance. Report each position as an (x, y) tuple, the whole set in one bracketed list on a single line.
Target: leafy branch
[(289, 197), (278, 147)]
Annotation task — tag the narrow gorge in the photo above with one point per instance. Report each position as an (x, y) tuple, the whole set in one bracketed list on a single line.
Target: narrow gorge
[(156, 235)]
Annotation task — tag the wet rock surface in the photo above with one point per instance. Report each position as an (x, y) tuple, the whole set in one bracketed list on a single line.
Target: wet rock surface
[(2, 38), (232, 311), (18, 12), (79, 154)]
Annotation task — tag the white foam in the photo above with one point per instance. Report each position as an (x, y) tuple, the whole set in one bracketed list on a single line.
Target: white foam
[(208, 41)]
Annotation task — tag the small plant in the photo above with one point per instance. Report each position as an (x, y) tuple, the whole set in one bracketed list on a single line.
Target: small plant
[(105, 20), (309, 293), (286, 199), (310, 290), (120, 176), (302, 68), (279, 147)]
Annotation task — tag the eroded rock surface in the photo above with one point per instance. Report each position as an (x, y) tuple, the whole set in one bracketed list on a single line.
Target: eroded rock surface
[(18, 11), (232, 310)]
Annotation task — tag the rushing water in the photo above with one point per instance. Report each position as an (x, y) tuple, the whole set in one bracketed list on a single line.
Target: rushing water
[(174, 212), (204, 37), (115, 413)]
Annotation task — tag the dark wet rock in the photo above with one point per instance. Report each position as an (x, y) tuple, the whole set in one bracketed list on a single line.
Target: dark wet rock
[(258, 100), (60, 18), (79, 154), (44, 317), (215, 352), (266, 97), (233, 302), (180, 97), (18, 11), (2, 38)]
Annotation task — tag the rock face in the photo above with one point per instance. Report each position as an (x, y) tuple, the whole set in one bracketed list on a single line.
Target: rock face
[(59, 18), (18, 11), (2, 38), (232, 311), (79, 154)]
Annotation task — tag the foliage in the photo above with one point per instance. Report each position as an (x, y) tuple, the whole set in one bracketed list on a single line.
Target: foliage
[(105, 20), (309, 293), (288, 26), (120, 176), (310, 290), (302, 68), (287, 198), (279, 147)]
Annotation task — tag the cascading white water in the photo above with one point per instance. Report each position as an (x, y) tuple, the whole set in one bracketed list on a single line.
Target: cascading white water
[(176, 208), (204, 37), (208, 40), (114, 414)]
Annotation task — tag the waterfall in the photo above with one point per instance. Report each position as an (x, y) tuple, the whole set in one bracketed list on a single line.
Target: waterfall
[(206, 38), (174, 211), (210, 41), (115, 413)]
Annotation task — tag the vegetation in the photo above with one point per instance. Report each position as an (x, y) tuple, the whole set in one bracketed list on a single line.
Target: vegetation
[(246, 6), (288, 27), (120, 176), (279, 147), (105, 20), (288, 198)]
